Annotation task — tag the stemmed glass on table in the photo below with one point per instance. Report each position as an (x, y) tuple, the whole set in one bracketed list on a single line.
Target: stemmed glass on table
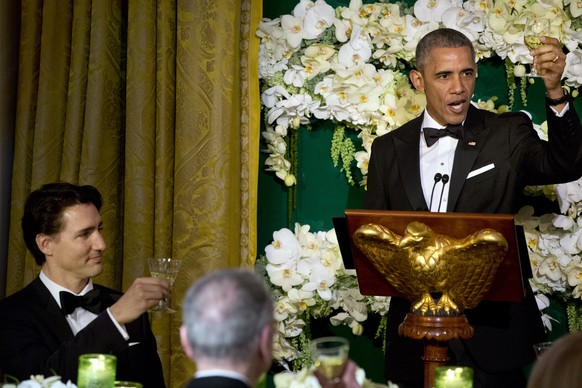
[(329, 355), (164, 268), (534, 28)]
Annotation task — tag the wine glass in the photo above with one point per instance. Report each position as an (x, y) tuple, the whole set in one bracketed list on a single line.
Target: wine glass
[(534, 28), (164, 268), (329, 355)]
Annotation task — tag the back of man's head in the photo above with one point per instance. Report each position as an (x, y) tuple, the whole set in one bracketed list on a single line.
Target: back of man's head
[(224, 314)]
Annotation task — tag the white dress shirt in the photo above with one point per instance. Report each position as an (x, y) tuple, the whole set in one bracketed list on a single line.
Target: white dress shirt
[(439, 159), (79, 318)]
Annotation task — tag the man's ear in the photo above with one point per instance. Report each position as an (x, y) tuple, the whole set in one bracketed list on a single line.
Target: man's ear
[(44, 243), (417, 80), (185, 342), (266, 344)]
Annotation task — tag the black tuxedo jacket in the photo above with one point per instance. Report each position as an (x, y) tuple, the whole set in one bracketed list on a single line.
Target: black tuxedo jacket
[(512, 156), (35, 338), (216, 382)]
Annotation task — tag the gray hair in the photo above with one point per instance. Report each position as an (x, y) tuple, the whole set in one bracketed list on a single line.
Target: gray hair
[(224, 313), (440, 38)]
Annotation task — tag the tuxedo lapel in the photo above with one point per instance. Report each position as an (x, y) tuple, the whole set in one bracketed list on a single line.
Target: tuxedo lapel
[(467, 150), (47, 307), (406, 146)]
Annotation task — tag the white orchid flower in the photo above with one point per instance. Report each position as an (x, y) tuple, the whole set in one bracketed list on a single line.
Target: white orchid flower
[(284, 308), (293, 327), (352, 302), (284, 276), (282, 349), (357, 49), (296, 76), (324, 87), (270, 30), (574, 275), (336, 107), (432, 10), (292, 30), (550, 268), (569, 194), (284, 248), (563, 222), (362, 161), (320, 280), (573, 70), (317, 19), (347, 319), (301, 298), (314, 66), (270, 96)]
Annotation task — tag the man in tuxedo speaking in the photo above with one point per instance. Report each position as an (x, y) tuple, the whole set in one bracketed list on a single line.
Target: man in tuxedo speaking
[(458, 158), (47, 325)]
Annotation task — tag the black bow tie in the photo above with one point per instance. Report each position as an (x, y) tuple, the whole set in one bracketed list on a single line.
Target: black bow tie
[(431, 135), (91, 301)]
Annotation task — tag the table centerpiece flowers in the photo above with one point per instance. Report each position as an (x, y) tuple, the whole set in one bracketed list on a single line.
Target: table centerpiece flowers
[(39, 381)]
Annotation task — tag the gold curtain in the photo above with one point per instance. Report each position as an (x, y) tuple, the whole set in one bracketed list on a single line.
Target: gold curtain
[(156, 104)]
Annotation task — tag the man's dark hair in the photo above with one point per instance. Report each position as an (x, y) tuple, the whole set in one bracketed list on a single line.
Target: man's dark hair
[(441, 38), (44, 208)]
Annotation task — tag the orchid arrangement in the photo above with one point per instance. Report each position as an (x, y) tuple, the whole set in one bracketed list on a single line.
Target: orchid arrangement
[(555, 250), (39, 381), (308, 280), (347, 64)]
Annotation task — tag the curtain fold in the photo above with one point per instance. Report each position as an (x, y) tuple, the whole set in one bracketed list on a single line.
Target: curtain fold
[(156, 103)]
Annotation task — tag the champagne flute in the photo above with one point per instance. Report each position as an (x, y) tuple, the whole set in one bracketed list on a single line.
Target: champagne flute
[(164, 268), (534, 28), (329, 355)]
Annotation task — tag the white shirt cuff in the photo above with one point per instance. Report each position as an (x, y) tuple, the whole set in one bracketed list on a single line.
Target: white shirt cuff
[(120, 328)]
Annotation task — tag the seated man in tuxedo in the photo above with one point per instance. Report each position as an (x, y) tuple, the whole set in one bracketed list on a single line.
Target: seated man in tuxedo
[(47, 325), (228, 331)]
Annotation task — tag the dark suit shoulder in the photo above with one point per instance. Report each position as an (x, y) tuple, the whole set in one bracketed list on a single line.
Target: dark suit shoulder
[(21, 299), (408, 132), (481, 115)]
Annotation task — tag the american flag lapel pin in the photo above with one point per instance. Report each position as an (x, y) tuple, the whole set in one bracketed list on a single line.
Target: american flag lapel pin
[(472, 143)]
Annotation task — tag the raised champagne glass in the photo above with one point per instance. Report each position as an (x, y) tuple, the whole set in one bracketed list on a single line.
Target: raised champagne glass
[(534, 28), (329, 355), (164, 268)]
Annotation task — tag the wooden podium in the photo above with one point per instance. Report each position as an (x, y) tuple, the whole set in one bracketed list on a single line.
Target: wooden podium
[(436, 331)]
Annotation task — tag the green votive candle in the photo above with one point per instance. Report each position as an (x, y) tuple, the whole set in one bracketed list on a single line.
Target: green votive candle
[(97, 371), (453, 377)]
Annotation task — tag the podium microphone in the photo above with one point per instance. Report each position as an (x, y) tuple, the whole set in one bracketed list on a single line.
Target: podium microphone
[(437, 179), (445, 180)]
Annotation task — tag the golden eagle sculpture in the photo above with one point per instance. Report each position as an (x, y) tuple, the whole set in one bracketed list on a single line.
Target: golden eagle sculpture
[(425, 266)]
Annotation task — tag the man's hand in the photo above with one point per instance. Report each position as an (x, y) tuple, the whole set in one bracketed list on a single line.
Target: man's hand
[(550, 62), (348, 379), (143, 294)]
